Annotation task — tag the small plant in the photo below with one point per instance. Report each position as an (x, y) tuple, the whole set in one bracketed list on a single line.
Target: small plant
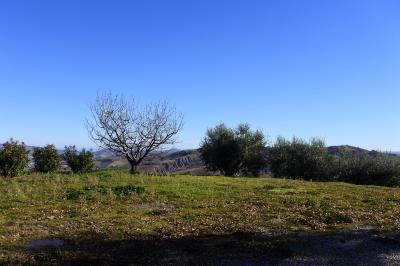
[(127, 190), (329, 215), (46, 159), (13, 158), (74, 194), (87, 193), (157, 212), (81, 162)]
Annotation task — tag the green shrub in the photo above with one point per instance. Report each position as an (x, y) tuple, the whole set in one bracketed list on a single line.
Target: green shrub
[(220, 151), (252, 145), (127, 190), (74, 194), (299, 159), (367, 170), (46, 159), (81, 162), (234, 151), (87, 193), (90, 192), (13, 158), (310, 160)]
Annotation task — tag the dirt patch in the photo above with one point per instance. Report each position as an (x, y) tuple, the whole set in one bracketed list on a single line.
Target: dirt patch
[(155, 206)]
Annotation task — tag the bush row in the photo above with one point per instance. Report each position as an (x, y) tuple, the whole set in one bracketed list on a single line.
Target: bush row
[(311, 161), (241, 151), (14, 159)]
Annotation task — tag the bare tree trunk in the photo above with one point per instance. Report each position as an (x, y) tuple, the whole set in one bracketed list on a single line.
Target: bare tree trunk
[(133, 164), (134, 169)]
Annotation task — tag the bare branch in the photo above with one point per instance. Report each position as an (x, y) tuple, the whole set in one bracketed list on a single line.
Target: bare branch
[(121, 126)]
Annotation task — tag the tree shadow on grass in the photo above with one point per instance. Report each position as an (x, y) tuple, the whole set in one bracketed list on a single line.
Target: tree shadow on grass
[(360, 247)]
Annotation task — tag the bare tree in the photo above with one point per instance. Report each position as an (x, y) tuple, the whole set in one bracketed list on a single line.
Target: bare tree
[(133, 132)]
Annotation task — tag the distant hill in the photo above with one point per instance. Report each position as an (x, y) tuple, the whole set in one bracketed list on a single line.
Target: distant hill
[(346, 149), (158, 162), (355, 151)]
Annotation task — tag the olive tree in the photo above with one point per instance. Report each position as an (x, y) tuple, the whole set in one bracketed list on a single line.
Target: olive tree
[(46, 159), (234, 151), (13, 158), (220, 150), (298, 158), (79, 162), (130, 130)]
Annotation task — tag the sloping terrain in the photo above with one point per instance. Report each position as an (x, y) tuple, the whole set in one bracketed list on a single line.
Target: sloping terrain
[(114, 218), (170, 161)]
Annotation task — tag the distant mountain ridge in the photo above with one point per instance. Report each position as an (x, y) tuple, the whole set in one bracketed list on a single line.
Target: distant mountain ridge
[(356, 151)]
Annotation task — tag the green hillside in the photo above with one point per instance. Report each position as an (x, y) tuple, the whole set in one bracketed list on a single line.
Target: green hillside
[(93, 214)]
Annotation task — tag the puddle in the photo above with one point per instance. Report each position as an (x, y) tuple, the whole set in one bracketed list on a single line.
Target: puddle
[(45, 243)]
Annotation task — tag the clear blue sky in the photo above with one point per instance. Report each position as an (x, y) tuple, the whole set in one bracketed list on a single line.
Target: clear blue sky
[(306, 68)]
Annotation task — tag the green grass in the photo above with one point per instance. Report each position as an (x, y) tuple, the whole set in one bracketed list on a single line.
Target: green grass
[(116, 206)]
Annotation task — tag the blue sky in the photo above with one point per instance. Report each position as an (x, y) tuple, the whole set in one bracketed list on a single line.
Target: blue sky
[(306, 68)]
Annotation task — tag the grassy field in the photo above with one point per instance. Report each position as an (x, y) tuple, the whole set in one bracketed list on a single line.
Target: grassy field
[(102, 214)]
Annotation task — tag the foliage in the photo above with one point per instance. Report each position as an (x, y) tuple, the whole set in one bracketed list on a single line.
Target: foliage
[(221, 151), (234, 151), (127, 190), (310, 160), (87, 193), (81, 162), (299, 159), (367, 170), (13, 158), (90, 192), (46, 159), (252, 146)]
